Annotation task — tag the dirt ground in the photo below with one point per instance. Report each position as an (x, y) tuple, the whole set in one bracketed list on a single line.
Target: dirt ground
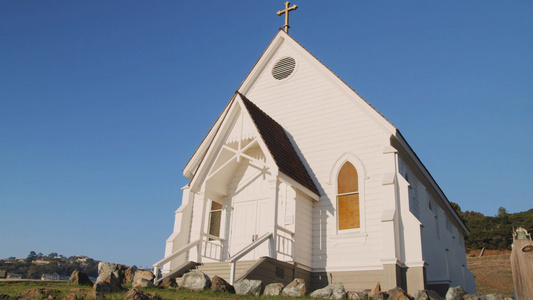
[(492, 270)]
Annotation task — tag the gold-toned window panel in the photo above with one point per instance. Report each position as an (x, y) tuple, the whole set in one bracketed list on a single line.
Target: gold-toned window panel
[(348, 210), (347, 180)]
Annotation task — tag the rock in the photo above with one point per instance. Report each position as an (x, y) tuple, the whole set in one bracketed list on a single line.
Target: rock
[(195, 281), (220, 285), (378, 296), (426, 295), (455, 293), (248, 287), (398, 293), (107, 284), (37, 293), (494, 297), (143, 279), (357, 295), (129, 273), (473, 297), (273, 289), (332, 291), (106, 268), (95, 296), (136, 294), (79, 278), (71, 296), (294, 289), (168, 283)]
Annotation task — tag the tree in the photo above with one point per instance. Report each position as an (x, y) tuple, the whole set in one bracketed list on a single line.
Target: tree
[(501, 212), (31, 256)]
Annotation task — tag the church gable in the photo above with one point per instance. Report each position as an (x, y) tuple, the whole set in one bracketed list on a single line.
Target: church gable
[(245, 133)]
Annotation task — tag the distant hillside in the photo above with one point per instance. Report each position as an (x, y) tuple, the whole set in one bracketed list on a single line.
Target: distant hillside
[(34, 265), (493, 232)]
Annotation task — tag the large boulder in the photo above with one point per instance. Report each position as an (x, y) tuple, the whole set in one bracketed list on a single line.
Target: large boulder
[(273, 289), (195, 281), (79, 278), (220, 285), (474, 297), (143, 279), (494, 297), (95, 296), (248, 287), (455, 293), (107, 284), (38, 293), (295, 289), (168, 283), (332, 291), (136, 294), (356, 295), (129, 273), (71, 296), (426, 295), (398, 293)]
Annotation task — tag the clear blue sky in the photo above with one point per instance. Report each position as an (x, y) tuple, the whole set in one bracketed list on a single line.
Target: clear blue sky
[(103, 102)]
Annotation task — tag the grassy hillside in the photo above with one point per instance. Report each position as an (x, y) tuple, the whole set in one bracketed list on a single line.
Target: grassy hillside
[(492, 271)]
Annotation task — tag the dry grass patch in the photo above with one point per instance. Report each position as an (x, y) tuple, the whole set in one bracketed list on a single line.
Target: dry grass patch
[(493, 274)]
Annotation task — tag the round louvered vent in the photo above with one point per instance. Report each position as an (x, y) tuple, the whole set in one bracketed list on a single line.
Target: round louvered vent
[(283, 68)]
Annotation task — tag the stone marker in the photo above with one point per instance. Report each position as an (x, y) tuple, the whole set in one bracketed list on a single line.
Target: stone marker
[(273, 289), (294, 289), (248, 287)]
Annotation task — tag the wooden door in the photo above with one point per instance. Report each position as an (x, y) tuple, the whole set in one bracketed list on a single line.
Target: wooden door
[(249, 223)]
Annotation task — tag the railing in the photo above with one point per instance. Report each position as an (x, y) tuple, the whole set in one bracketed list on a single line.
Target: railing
[(172, 256), (284, 244), (233, 260)]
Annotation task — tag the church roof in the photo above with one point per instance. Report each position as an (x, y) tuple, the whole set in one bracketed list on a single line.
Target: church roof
[(279, 145)]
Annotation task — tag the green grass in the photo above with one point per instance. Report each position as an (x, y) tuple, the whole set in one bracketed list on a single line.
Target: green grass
[(14, 288)]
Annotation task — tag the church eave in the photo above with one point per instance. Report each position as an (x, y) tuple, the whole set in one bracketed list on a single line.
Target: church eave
[(429, 178)]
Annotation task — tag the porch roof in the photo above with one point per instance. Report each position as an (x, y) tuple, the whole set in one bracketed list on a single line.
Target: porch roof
[(280, 146)]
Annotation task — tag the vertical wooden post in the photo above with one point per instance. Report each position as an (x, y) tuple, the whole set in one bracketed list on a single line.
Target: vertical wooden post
[(274, 229), (232, 272), (156, 274), (522, 264)]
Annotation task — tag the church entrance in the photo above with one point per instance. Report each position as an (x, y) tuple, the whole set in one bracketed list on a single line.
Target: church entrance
[(249, 224)]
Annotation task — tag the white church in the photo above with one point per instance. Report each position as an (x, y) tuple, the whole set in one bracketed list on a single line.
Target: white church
[(301, 177)]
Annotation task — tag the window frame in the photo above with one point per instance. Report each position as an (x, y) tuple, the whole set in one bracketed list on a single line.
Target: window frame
[(358, 233)]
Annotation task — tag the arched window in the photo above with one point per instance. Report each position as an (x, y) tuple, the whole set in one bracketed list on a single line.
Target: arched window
[(348, 197)]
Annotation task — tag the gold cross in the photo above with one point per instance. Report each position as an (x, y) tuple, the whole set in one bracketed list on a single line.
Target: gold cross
[(286, 12)]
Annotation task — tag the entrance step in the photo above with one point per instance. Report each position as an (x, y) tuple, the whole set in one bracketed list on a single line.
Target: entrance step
[(222, 269)]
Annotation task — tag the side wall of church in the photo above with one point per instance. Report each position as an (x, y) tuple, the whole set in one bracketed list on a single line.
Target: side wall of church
[(327, 124), (443, 247)]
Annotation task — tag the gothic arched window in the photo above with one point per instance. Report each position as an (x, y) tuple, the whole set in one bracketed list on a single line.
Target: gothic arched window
[(348, 197)]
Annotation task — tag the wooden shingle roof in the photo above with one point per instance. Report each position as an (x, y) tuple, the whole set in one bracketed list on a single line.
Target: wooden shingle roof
[(280, 146)]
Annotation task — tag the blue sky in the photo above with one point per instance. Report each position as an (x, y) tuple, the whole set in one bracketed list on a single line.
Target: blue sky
[(103, 102)]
